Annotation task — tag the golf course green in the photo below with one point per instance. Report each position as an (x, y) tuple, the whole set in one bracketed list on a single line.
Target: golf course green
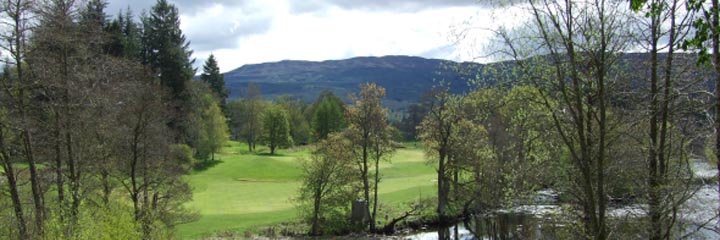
[(244, 190)]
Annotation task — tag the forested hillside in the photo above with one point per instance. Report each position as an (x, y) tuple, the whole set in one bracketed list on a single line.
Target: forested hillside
[(406, 78)]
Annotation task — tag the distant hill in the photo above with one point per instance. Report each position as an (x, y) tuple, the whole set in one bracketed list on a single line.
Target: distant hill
[(405, 78)]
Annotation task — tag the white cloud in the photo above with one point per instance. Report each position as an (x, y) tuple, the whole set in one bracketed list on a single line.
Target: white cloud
[(255, 31)]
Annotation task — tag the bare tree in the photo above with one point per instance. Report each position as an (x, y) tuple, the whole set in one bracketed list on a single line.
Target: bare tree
[(146, 171), (67, 64), (583, 41), (18, 90), (668, 177)]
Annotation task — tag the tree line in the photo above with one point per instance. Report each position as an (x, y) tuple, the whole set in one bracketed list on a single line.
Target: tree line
[(100, 119), (285, 121)]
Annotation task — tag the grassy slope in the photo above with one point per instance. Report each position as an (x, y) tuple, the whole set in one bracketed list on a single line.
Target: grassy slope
[(248, 190)]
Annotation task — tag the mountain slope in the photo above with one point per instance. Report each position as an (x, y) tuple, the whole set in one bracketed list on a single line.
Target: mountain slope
[(405, 78)]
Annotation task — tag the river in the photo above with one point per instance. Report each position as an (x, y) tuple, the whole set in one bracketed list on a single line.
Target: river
[(697, 218)]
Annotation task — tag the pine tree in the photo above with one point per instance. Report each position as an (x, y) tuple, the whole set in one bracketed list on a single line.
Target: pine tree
[(212, 76), (94, 13), (116, 42), (123, 37), (328, 118), (168, 53), (131, 32)]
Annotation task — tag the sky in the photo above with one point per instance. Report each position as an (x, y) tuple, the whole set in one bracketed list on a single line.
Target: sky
[(242, 32)]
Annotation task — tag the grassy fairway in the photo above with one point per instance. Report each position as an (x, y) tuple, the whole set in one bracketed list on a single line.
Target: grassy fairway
[(248, 190)]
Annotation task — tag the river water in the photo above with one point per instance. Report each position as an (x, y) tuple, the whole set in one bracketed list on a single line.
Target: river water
[(697, 219)]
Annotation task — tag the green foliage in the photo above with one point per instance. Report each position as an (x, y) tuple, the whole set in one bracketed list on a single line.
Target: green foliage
[(371, 135), (246, 117), (183, 153), (327, 186), (124, 37), (168, 50), (325, 95), (113, 221), (212, 76), (410, 121), (214, 132), (495, 142), (276, 126), (247, 190), (299, 125), (328, 118), (206, 124)]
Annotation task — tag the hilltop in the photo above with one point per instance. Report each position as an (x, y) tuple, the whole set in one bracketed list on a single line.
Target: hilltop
[(406, 78)]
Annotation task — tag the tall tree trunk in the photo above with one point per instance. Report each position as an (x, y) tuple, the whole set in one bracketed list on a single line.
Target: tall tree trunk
[(664, 157), (442, 190), (58, 163), (716, 57), (315, 229), (364, 176), (134, 184), (655, 229), (146, 210), (600, 168), (17, 10), (29, 151), (375, 191), (107, 189), (13, 189), (73, 167)]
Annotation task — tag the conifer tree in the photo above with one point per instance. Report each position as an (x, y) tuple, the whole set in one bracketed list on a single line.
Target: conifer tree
[(168, 55), (328, 118), (212, 76)]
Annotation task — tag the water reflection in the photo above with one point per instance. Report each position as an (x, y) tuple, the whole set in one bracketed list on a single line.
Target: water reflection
[(458, 230), (513, 225), (504, 226), (500, 226)]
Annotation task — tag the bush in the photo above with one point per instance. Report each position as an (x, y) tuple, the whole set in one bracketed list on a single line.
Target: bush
[(183, 153), (114, 221)]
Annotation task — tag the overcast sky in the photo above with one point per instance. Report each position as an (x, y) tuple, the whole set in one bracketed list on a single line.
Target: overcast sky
[(254, 31)]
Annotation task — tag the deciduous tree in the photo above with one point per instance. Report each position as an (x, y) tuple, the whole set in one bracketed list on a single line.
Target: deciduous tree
[(276, 132), (439, 134), (327, 185), (16, 18), (370, 134), (246, 116), (583, 41)]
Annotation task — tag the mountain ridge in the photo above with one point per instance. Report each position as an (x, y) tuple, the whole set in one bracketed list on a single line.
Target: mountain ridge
[(405, 78)]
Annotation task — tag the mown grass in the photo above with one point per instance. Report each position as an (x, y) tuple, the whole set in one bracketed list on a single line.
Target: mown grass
[(246, 190)]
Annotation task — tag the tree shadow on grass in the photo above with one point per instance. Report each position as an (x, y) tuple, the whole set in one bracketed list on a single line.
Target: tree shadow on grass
[(205, 165), (269, 155)]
